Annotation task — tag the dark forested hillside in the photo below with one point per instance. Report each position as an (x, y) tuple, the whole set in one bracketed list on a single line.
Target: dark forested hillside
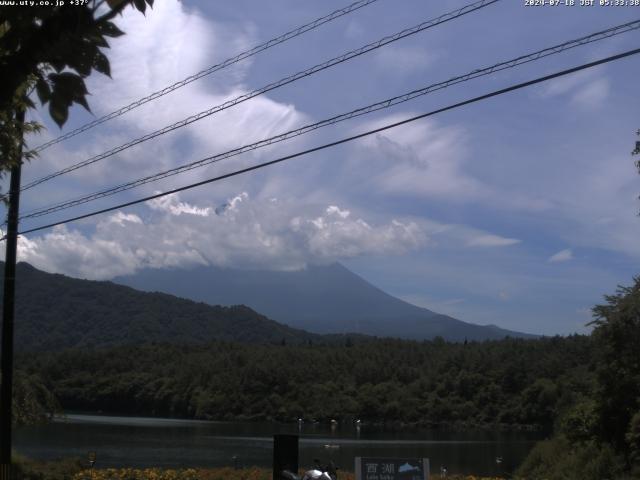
[(55, 312), (511, 382)]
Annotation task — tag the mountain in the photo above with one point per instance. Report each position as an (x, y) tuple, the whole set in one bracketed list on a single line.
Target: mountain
[(319, 299), (55, 311)]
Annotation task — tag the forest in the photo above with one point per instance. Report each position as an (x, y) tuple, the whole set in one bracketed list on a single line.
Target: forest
[(515, 383), (583, 390), (57, 312)]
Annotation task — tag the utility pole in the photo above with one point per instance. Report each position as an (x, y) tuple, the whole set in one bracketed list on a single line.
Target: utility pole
[(8, 309)]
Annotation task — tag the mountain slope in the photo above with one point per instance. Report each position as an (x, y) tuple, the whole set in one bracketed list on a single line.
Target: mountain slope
[(54, 312), (320, 299)]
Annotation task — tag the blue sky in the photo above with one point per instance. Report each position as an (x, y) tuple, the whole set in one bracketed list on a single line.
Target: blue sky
[(520, 211)]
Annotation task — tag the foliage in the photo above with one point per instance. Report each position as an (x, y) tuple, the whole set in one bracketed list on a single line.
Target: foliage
[(59, 312), (138, 474), (598, 435), (47, 470), (33, 402), (579, 423), (50, 49), (560, 459), (12, 132), (253, 473), (617, 335), (512, 382), (633, 441)]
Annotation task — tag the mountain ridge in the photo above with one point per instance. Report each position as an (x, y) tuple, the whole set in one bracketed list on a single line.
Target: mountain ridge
[(319, 299), (54, 311)]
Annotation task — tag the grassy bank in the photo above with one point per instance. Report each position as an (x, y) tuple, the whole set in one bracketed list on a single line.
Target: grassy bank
[(211, 474), (74, 470)]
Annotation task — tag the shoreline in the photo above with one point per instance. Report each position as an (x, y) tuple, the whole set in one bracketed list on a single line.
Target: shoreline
[(388, 424), (76, 469)]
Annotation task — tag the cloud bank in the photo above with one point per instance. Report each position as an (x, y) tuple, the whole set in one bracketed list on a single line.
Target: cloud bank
[(242, 232)]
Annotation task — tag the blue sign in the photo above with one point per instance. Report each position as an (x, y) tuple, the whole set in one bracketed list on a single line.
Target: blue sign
[(368, 468)]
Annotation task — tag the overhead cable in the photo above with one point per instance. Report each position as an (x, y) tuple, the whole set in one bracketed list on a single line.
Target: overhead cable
[(342, 141), (339, 118), (267, 88), (214, 68)]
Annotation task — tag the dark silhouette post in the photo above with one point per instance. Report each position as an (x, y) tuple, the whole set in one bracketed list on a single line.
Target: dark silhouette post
[(8, 308), (285, 454), (92, 461)]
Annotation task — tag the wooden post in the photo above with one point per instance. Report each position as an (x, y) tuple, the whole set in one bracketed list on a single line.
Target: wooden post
[(285, 454)]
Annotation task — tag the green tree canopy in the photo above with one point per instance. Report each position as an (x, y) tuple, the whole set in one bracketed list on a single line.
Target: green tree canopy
[(617, 333), (51, 50)]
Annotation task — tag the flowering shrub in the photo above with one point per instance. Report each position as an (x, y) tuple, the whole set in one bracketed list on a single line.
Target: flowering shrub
[(253, 473), (170, 474), (137, 474)]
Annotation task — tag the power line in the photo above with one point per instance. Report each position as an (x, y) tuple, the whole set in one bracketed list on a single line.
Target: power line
[(272, 86), (214, 68), (339, 118), (344, 140), (361, 111)]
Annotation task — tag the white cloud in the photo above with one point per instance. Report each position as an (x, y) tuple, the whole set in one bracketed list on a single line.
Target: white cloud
[(166, 41), (171, 204), (68, 251), (121, 218), (592, 95), (564, 164), (491, 241), (587, 89), (246, 233), (164, 46), (402, 60), (334, 210), (567, 84), (422, 158), (561, 256)]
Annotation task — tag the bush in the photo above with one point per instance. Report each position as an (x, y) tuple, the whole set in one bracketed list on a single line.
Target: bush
[(53, 470), (137, 474), (579, 423), (559, 459), (253, 473), (633, 440)]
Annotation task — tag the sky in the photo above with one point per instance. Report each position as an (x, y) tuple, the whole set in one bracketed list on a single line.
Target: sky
[(519, 211)]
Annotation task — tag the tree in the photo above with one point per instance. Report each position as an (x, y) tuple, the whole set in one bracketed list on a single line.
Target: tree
[(633, 440), (617, 333), (599, 435), (50, 50), (34, 402)]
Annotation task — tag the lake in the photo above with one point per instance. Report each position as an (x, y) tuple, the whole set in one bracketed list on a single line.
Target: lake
[(145, 442)]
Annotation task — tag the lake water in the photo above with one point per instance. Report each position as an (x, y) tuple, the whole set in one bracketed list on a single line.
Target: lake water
[(143, 442)]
